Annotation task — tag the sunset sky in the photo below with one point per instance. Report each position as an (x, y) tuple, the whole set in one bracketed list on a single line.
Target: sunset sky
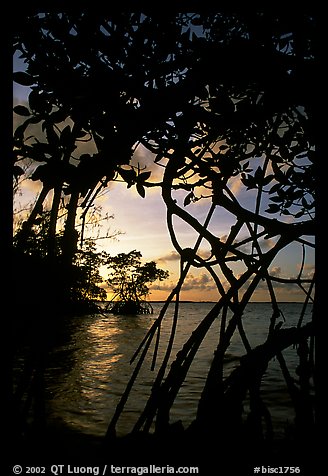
[(142, 222)]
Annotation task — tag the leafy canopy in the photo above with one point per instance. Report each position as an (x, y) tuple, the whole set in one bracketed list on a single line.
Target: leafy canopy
[(129, 279)]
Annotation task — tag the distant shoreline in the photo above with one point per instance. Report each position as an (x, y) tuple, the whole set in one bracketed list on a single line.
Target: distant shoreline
[(214, 302)]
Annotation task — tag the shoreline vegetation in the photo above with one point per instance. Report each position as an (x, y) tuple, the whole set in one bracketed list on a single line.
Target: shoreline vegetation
[(213, 302)]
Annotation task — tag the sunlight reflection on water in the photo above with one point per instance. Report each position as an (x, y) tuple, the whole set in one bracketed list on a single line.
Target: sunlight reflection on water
[(88, 371)]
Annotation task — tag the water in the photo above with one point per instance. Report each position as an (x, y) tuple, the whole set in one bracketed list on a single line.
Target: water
[(88, 369)]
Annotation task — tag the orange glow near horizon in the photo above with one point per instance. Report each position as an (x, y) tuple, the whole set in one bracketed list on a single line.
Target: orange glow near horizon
[(143, 223), (209, 294)]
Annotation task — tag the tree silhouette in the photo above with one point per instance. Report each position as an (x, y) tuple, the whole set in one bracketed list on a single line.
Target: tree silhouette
[(129, 281), (226, 102)]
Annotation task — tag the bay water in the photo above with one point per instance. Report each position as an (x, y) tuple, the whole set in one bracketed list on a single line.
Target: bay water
[(89, 367)]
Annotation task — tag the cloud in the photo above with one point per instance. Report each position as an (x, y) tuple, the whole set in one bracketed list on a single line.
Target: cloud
[(175, 256), (167, 286), (267, 243), (172, 256), (286, 290), (201, 287), (275, 271), (308, 270), (201, 282)]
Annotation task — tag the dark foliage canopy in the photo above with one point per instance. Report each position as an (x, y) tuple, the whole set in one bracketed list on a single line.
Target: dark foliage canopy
[(130, 78)]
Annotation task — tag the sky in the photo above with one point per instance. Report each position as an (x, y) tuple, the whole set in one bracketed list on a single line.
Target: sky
[(142, 223)]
